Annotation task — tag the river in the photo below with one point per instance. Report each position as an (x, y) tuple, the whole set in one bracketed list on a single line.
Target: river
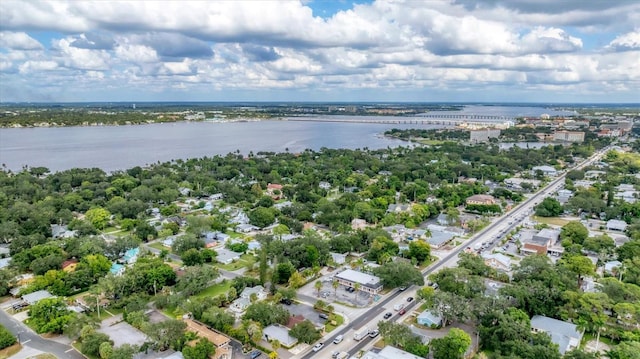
[(120, 147)]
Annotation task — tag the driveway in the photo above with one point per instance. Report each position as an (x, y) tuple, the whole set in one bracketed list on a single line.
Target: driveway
[(306, 311), (121, 332)]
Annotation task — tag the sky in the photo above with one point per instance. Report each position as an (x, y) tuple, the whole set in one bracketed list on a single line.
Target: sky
[(539, 51)]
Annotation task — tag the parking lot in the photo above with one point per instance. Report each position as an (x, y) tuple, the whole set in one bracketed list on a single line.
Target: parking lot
[(306, 311), (330, 295), (121, 332)]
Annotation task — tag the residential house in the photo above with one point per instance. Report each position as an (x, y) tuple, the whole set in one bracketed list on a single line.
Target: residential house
[(324, 185), (69, 265), (541, 242), (239, 218), (35, 297), (239, 305), (61, 231), (594, 174), (168, 242), (565, 334), (616, 225), (546, 170), (117, 269), (279, 333), (131, 255), (4, 262), (398, 208), (280, 206), (612, 267), (368, 283), (258, 290), (443, 220), (338, 258), (564, 195), (358, 223), (219, 340), (498, 261), (428, 318), (253, 245), (226, 256), (246, 228), (482, 199), (417, 234), (216, 196)]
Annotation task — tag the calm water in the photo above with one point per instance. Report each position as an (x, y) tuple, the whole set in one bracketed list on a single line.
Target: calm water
[(121, 147)]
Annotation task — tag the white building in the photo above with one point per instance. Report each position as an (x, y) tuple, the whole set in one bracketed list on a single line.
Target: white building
[(368, 283)]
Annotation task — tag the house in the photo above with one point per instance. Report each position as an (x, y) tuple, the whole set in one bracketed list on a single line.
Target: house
[(439, 238), (498, 261), (368, 283), (216, 196), (593, 174), (564, 195), (219, 340), (246, 228), (358, 223), (253, 245), (116, 269), (546, 170), (168, 242), (443, 220), (482, 199), (612, 267), (131, 255), (4, 262), (616, 225), (338, 258), (398, 208), (428, 318), (627, 196), (239, 305), (226, 256), (274, 190), (565, 334), (258, 290), (69, 265), (61, 231), (279, 333), (541, 242), (239, 218), (282, 205), (324, 185), (35, 297), (416, 234)]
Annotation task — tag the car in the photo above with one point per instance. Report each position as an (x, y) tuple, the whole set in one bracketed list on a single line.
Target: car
[(402, 288), (388, 315), (318, 346), (402, 311), (338, 339), (374, 333), (335, 354), (286, 301), (254, 354), (351, 289), (323, 316), (410, 299)]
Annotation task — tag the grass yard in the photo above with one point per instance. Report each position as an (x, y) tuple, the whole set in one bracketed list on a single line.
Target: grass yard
[(339, 321), (553, 221), (429, 142), (159, 246), (245, 261), (215, 290)]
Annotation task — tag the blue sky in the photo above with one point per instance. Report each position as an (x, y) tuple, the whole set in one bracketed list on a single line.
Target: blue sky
[(394, 50)]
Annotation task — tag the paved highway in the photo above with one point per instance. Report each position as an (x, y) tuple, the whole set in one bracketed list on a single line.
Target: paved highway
[(372, 316)]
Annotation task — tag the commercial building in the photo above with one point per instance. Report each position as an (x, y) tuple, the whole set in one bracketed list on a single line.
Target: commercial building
[(569, 136), (368, 283), (479, 136)]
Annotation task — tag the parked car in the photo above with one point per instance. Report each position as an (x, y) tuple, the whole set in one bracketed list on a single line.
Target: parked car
[(351, 289), (323, 316), (317, 347), (286, 301), (410, 299), (338, 339), (374, 333), (254, 354), (388, 315), (402, 311), (402, 288)]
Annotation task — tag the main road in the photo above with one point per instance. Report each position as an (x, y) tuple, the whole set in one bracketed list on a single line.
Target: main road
[(373, 315)]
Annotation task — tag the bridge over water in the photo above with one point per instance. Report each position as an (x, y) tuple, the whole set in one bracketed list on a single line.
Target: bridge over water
[(427, 119)]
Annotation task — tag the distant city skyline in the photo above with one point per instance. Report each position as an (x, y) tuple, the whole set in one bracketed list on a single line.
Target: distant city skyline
[(518, 51)]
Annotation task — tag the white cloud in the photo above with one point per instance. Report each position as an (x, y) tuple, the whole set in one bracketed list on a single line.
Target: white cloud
[(136, 53), (18, 41), (628, 41), (37, 66)]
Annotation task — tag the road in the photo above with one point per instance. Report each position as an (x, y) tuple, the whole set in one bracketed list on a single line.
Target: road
[(28, 338), (372, 316)]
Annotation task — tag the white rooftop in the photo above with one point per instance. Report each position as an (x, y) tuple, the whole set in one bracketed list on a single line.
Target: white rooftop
[(364, 279)]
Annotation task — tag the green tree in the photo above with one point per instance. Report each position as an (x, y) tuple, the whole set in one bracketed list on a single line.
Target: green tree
[(105, 350), (574, 232), (166, 334), (201, 350), (92, 342), (399, 274), (580, 265), (192, 257), (305, 332), (6, 338), (50, 315), (195, 279), (125, 351), (266, 314), (98, 217), (549, 207), (452, 346), (625, 350), (318, 286), (419, 250), (218, 318), (186, 242), (262, 217)]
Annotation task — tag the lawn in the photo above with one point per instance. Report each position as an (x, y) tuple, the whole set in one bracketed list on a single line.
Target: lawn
[(329, 326), (430, 142), (245, 261), (215, 290), (159, 247), (554, 221)]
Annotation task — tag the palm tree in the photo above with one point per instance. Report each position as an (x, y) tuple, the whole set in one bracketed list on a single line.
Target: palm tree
[(318, 286), (357, 289), (335, 284)]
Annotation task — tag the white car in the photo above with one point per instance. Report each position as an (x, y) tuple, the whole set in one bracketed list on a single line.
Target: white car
[(338, 339), (317, 347)]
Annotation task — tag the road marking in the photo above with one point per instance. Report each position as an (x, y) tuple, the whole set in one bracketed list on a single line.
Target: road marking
[(26, 341), (69, 350)]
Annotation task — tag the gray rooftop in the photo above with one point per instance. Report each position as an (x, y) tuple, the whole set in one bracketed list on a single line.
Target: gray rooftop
[(561, 332), (437, 238), (35, 297), (367, 280), (279, 333)]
